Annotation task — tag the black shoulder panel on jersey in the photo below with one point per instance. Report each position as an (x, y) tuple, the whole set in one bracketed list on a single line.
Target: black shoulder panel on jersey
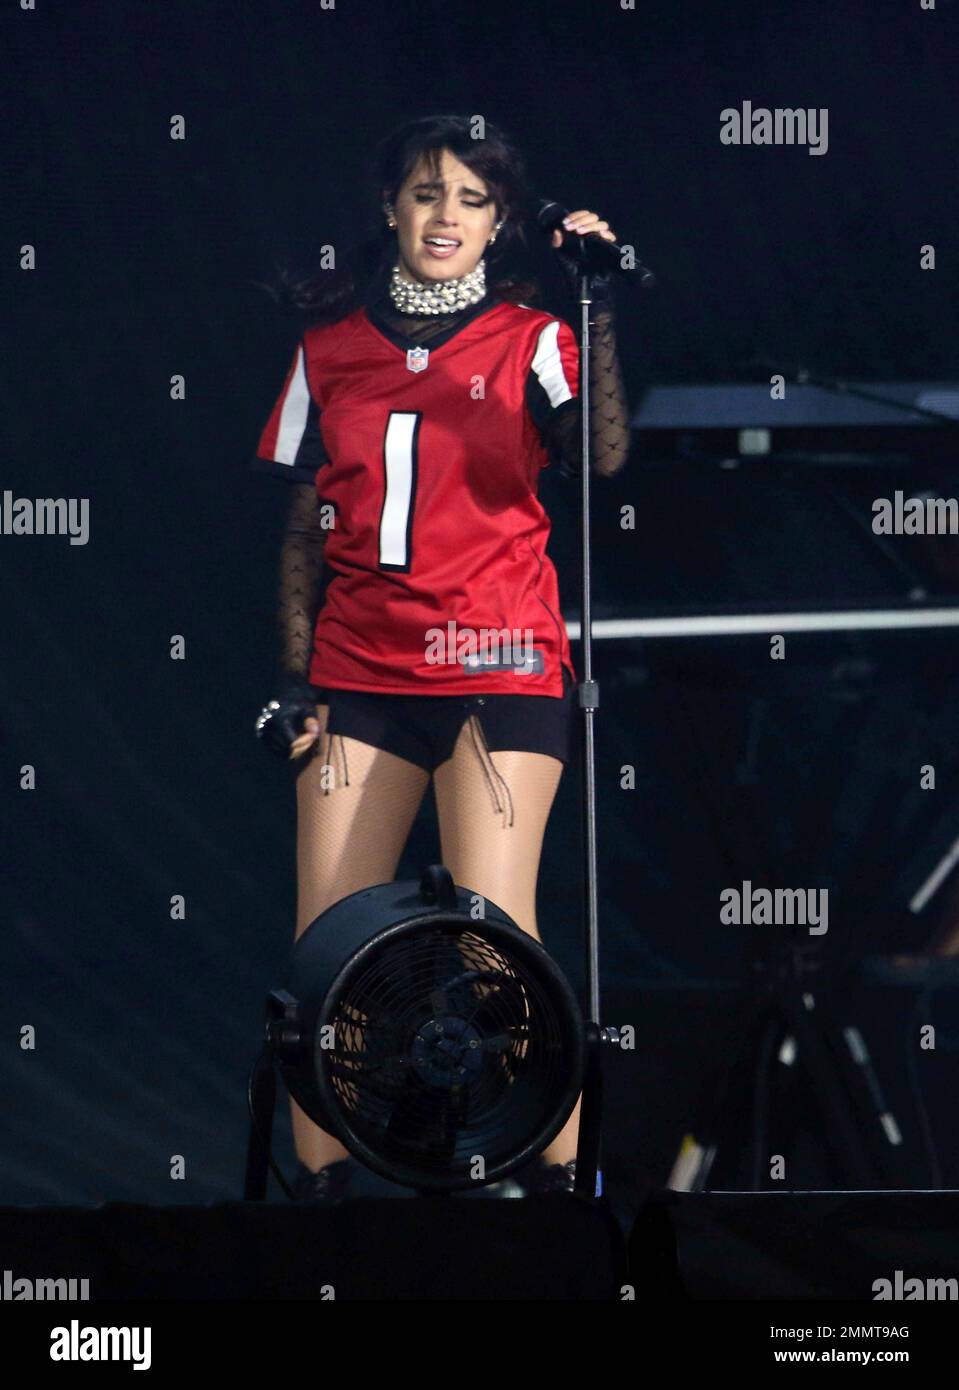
[(310, 457)]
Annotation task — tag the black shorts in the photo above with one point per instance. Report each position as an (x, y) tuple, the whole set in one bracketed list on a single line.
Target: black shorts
[(423, 729)]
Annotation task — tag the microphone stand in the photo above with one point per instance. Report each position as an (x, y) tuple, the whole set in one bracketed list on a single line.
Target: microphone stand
[(588, 1145)]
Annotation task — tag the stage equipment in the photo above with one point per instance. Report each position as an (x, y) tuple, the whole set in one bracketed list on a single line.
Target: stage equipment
[(443, 1048), (792, 1024), (808, 403), (592, 256)]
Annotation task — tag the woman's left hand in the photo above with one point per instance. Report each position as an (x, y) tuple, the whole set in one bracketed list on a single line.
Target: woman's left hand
[(582, 222)]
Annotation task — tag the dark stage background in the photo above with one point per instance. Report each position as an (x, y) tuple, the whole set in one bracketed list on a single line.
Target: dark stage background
[(150, 256)]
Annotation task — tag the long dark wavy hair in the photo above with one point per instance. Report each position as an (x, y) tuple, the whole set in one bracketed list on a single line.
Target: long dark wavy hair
[(326, 296)]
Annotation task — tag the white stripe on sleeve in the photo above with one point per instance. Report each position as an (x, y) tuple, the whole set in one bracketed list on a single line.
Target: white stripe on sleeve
[(294, 414), (548, 366)]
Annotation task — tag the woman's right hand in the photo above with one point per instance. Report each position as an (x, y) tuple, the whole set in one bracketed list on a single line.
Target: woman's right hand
[(305, 740), (288, 725)]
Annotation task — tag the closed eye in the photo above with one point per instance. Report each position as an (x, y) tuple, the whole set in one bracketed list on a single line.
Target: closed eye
[(428, 198)]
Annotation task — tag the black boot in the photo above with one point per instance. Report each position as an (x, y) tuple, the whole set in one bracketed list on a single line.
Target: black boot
[(539, 1177), (330, 1186)]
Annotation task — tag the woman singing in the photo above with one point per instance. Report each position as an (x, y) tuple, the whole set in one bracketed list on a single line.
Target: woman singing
[(420, 406)]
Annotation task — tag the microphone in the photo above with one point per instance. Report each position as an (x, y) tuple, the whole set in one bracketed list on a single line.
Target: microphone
[(605, 255)]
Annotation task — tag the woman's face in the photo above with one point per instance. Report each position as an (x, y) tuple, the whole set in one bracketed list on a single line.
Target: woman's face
[(442, 225)]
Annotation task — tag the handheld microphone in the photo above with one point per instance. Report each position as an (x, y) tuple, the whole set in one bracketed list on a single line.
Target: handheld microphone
[(608, 255)]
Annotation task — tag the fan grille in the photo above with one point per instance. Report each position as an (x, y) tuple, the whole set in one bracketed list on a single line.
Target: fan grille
[(445, 1048)]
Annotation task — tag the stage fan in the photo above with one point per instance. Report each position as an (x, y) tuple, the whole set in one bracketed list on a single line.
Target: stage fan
[(444, 1049)]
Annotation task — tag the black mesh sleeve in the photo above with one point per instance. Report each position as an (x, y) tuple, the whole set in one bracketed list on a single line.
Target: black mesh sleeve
[(609, 436), (301, 570)]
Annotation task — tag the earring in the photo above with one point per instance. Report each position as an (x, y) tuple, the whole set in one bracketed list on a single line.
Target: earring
[(495, 230)]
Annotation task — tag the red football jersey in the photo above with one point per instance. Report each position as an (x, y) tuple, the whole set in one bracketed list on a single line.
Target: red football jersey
[(430, 458)]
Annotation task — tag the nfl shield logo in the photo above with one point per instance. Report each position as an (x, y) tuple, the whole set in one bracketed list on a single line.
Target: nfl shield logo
[(417, 359)]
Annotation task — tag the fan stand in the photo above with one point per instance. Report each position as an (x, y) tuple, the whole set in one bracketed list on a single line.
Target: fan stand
[(262, 1108)]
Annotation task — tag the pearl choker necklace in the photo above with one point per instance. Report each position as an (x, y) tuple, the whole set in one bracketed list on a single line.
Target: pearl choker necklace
[(440, 296)]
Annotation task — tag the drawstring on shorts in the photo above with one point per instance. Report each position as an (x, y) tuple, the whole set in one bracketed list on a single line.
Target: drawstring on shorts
[(493, 775), (326, 761), (476, 727)]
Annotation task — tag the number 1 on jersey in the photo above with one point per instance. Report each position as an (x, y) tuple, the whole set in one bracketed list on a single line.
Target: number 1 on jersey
[(399, 492)]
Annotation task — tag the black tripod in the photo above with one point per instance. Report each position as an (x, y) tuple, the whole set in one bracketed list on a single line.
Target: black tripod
[(791, 1021)]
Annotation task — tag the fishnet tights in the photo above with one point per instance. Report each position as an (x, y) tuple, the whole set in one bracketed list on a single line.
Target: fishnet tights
[(485, 852)]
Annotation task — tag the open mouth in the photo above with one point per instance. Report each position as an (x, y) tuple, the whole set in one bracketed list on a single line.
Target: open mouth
[(441, 246)]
